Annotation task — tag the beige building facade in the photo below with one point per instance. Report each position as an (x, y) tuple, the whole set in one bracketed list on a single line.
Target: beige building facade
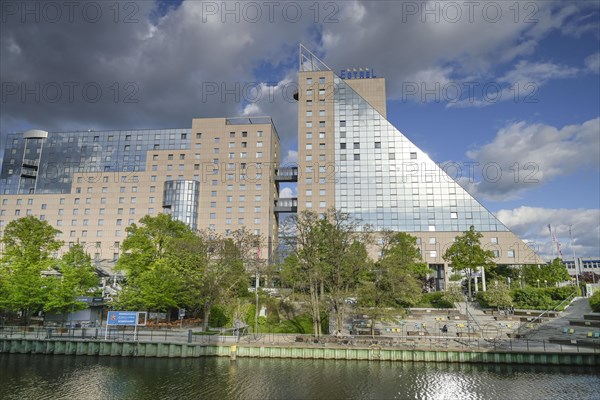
[(217, 175)]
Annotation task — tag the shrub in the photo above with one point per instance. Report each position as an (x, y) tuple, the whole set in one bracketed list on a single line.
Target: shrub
[(595, 302), (437, 300), (561, 293), (218, 317), (532, 298), (483, 300)]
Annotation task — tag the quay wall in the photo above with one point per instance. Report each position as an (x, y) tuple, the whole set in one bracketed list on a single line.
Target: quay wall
[(190, 350)]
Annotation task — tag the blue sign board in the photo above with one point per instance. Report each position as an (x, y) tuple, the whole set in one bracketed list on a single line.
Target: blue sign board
[(128, 318)]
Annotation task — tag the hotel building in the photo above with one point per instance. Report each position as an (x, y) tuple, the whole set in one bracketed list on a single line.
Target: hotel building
[(352, 158), (224, 174), (218, 175)]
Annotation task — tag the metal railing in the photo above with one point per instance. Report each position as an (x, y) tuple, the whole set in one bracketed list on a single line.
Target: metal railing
[(405, 340), (537, 320)]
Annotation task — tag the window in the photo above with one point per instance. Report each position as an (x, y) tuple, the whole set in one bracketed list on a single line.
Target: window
[(343, 146), (356, 145), (510, 253), (413, 155), (494, 240), (377, 145), (432, 240), (433, 253), (356, 157)]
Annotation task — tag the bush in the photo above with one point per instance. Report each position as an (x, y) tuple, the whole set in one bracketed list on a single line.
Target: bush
[(436, 300), (532, 298), (561, 293), (483, 299), (218, 317), (595, 302)]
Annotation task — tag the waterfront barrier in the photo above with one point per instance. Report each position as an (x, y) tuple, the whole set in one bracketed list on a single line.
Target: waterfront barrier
[(297, 351)]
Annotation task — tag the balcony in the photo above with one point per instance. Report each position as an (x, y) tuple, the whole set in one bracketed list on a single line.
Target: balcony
[(288, 174), (286, 205)]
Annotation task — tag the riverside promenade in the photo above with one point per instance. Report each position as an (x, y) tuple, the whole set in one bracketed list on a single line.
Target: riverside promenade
[(471, 335)]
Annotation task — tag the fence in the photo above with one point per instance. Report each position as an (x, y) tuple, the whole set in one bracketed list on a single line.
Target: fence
[(450, 343)]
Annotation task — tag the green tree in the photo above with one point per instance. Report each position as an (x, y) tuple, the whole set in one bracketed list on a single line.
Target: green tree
[(498, 295), (303, 265), (544, 275), (78, 277), (28, 245), (395, 280), (328, 258), (595, 302), (148, 242), (224, 277), (556, 272), (153, 280), (343, 260), (466, 254)]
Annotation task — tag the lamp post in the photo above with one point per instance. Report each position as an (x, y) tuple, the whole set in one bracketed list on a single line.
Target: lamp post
[(538, 282)]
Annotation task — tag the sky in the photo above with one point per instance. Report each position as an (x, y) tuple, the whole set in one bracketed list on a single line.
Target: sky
[(504, 95)]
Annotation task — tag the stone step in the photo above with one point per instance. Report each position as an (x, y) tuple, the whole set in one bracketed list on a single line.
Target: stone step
[(584, 322), (592, 316)]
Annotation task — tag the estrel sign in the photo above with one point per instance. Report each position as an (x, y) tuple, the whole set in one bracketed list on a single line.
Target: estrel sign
[(360, 73)]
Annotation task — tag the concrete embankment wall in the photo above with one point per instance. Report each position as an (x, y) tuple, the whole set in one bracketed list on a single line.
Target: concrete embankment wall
[(184, 350)]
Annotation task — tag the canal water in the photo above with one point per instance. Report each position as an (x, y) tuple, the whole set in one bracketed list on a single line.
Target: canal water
[(90, 377)]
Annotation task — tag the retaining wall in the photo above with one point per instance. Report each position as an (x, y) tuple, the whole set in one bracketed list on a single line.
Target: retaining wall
[(183, 350)]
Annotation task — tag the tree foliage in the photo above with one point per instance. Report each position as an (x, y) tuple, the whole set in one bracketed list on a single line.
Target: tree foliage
[(498, 295), (550, 274), (28, 247), (169, 266), (78, 278), (466, 253), (595, 302), (328, 259)]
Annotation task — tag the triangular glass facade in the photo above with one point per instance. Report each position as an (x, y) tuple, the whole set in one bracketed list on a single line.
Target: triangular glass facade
[(386, 181)]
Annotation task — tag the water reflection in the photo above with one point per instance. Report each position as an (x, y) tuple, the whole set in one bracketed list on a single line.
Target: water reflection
[(55, 377)]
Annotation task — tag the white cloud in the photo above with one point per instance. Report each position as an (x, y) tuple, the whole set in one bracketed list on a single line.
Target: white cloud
[(291, 157), (471, 45), (521, 84), (528, 155), (531, 224), (592, 62), (287, 193), (538, 73), (276, 100)]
